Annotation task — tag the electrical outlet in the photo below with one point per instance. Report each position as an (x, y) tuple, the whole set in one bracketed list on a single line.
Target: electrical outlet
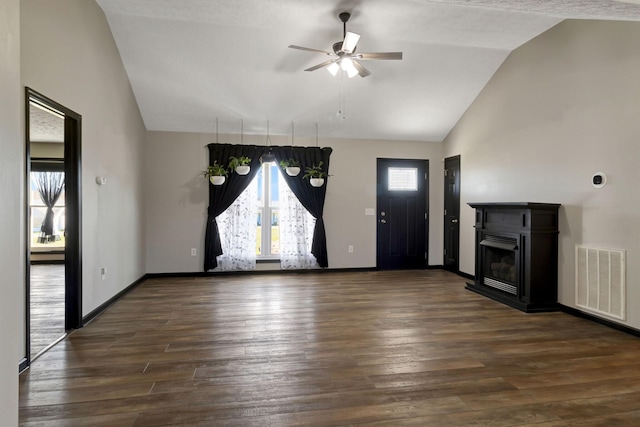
[(350, 248), (193, 252), (103, 273)]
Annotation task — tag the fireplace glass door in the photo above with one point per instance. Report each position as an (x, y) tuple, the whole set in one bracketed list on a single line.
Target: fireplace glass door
[(500, 266)]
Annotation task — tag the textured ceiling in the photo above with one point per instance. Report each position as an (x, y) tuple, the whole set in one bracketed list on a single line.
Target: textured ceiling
[(193, 62), (44, 126)]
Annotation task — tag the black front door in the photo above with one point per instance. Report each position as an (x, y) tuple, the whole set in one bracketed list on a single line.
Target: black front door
[(402, 213), (451, 213)]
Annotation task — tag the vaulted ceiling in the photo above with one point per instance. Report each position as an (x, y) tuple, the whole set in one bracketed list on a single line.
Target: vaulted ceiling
[(192, 62)]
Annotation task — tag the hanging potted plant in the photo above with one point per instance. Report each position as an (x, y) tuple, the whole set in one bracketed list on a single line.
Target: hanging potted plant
[(290, 166), (315, 174), (240, 164), (216, 173)]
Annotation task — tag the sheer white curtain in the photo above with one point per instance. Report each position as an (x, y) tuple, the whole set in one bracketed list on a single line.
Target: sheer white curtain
[(237, 226), (296, 231)]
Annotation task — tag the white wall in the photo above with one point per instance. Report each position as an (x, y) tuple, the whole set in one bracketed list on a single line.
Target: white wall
[(51, 150), (561, 107), (69, 55), (11, 211), (177, 197)]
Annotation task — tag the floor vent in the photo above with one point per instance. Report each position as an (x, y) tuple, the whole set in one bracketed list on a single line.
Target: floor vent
[(600, 281)]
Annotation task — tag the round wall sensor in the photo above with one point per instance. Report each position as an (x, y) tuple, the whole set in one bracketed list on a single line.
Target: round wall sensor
[(599, 179)]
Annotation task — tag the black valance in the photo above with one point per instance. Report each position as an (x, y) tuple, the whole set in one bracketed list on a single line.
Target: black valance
[(222, 196)]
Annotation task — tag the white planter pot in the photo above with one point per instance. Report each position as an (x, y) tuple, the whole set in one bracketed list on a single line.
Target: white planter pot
[(317, 182), (217, 179), (292, 170), (243, 169)]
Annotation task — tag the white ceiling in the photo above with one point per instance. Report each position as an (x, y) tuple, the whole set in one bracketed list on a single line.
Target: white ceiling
[(191, 62), (44, 125)]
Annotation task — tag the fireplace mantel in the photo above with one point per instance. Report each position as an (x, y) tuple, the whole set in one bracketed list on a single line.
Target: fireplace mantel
[(517, 254)]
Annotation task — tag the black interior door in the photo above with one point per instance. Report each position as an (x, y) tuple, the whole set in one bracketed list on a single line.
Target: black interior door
[(451, 213), (402, 214)]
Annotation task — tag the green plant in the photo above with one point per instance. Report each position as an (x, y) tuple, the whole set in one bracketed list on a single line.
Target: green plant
[(314, 171), (289, 163), (234, 162), (215, 170)]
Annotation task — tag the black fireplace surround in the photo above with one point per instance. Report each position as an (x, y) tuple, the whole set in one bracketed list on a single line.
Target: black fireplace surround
[(517, 254)]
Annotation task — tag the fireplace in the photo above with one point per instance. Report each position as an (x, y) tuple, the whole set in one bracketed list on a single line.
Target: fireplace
[(517, 254), (499, 267)]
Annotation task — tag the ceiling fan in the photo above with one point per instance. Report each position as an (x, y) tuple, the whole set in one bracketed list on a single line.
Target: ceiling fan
[(344, 56)]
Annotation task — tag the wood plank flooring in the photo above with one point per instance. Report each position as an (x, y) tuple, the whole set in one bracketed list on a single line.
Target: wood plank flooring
[(404, 348), (47, 305)]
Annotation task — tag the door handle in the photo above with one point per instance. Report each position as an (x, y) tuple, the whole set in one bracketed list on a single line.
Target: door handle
[(454, 221), (383, 221)]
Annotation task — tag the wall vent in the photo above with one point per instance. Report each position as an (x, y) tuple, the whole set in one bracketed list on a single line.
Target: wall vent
[(600, 281)]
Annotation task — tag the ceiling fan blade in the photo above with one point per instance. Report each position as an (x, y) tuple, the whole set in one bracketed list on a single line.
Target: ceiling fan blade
[(361, 70), (379, 55), (308, 49), (324, 64), (350, 42)]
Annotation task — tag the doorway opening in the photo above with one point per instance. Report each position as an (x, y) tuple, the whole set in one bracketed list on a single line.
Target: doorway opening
[(53, 230)]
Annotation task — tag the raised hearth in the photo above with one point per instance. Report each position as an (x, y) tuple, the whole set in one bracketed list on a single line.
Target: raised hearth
[(517, 254)]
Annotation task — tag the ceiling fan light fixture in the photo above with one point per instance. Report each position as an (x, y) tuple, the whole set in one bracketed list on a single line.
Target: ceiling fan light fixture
[(333, 69), (345, 56), (350, 42), (346, 64)]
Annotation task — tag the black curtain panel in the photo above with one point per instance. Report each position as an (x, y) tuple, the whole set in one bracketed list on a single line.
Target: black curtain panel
[(222, 196), (312, 198), (50, 186)]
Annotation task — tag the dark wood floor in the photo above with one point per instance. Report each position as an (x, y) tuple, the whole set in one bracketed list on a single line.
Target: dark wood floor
[(47, 305), (336, 349)]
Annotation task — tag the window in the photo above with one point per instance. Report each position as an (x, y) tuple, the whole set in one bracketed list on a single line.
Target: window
[(268, 214), (283, 227), (403, 179), (38, 211)]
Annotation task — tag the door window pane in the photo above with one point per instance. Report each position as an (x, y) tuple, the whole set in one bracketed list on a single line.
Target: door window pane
[(403, 179)]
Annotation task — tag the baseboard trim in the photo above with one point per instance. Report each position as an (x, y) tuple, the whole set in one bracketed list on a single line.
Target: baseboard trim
[(102, 307), (305, 271), (47, 261), (257, 272), (466, 275), (23, 365), (601, 321), (459, 273)]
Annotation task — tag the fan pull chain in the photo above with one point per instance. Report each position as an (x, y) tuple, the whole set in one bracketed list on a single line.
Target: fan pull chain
[(341, 113)]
